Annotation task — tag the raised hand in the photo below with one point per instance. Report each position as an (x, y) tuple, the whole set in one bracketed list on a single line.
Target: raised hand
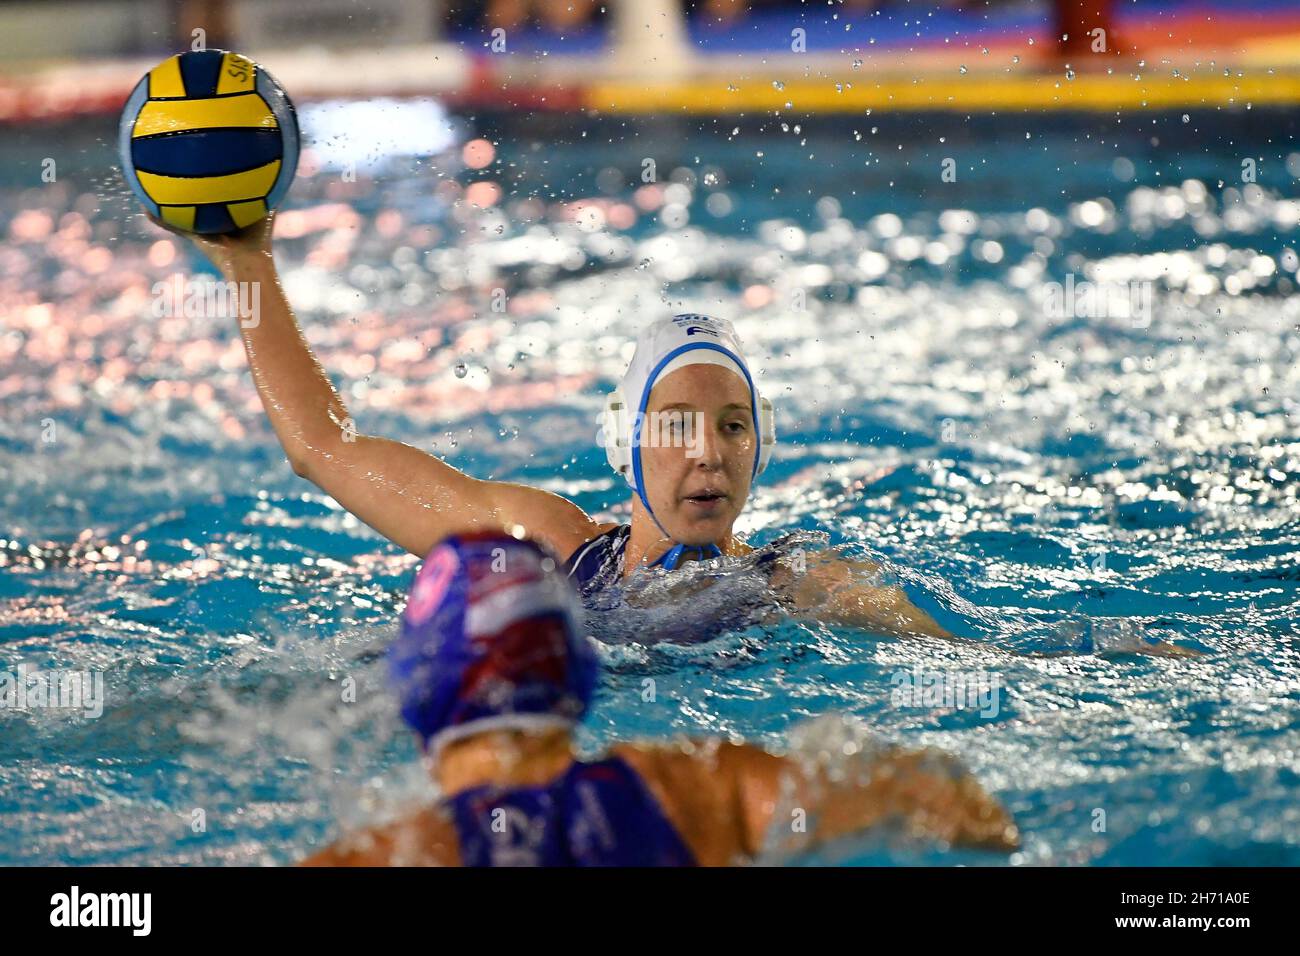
[(232, 251)]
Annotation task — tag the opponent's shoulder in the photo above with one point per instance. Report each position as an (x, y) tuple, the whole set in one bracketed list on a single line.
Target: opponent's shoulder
[(700, 785), (689, 754)]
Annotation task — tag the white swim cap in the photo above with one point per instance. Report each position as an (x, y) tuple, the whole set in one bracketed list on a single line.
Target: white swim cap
[(663, 347)]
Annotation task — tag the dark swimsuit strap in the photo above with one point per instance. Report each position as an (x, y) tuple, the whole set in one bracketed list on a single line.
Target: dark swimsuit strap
[(598, 562), (593, 557)]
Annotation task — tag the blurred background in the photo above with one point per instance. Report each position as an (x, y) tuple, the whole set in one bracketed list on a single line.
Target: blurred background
[(491, 199), (558, 54)]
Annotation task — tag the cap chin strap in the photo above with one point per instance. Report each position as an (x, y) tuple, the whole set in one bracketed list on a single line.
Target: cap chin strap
[(700, 552), (671, 558)]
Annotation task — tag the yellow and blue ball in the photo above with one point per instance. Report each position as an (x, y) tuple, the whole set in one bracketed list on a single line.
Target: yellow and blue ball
[(209, 141)]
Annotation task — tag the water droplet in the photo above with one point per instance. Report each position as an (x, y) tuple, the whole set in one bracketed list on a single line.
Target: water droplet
[(1186, 118), (1069, 74), (460, 369), (962, 69), (1016, 58), (778, 85)]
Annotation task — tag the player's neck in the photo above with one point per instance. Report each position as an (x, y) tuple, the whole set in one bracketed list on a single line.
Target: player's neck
[(646, 544), (503, 758)]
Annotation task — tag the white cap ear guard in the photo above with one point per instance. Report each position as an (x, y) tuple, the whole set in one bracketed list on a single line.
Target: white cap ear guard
[(617, 434), (766, 434), (666, 346)]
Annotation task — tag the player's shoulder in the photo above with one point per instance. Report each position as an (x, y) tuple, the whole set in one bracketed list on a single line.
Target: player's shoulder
[(694, 772), (702, 786)]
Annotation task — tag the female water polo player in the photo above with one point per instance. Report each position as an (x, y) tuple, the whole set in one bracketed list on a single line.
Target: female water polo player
[(691, 478), (688, 372), (492, 670)]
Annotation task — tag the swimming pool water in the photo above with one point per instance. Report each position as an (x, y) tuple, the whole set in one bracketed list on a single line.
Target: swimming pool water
[(1022, 470)]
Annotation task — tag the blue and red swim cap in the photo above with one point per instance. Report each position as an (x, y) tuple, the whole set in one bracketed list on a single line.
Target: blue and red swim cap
[(491, 638)]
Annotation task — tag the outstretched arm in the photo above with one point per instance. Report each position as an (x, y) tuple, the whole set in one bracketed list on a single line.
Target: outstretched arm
[(409, 496), (724, 799), (927, 792), (839, 591)]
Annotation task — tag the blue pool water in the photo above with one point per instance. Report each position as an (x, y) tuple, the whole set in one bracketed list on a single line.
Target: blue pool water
[(1022, 471)]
